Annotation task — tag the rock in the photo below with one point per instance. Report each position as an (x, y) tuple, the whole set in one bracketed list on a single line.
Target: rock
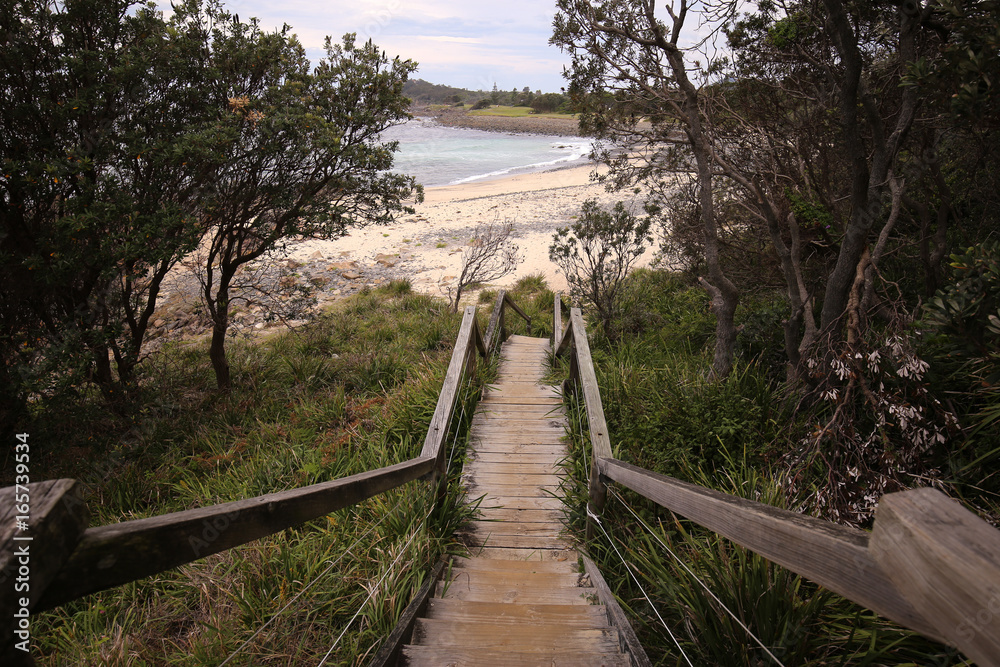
[(319, 281), (292, 264), (316, 255), (287, 281), (351, 275), (258, 326), (386, 260), (342, 266), (158, 323)]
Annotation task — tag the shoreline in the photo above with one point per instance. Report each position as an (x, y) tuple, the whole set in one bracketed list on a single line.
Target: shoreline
[(427, 246), (424, 247), (546, 126)]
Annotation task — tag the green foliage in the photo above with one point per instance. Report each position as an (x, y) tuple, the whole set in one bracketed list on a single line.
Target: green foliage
[(596, 253), (963, 323), (967, 310), (155, 136), (293, 419)]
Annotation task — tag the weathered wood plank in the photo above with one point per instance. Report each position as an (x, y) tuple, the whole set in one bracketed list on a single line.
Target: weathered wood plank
[(553, 448), (516, 542), (510, 593), (492, 500), (493, 328), (533, 637), (945, 560), (453, 656), (506, 578), (438, 428), (538, 529), (476, 467), (556, 553), (116, 554), (491, 565), (522, 516), (591, 390), (616, 615), (548, 401), (554, 459), (556, 321), (567, 615), (503, 479), (831, 555)]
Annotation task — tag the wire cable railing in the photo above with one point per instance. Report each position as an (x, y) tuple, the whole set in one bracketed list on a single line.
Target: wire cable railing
[(929, 564)]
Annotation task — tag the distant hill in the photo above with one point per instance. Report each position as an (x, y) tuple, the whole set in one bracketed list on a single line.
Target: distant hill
[(424, 92)]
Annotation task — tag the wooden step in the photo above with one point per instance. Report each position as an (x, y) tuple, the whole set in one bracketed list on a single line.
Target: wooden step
[(535, 529), (497, 468), (506, 578), (505, 457), (492, 565), (567, 615), (521, 515), (522, 637), (513, 593), (493, 501), (522, 542), (471, 657), (553, 552)]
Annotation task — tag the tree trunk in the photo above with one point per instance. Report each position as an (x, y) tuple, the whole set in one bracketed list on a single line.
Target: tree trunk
[(220, 327)]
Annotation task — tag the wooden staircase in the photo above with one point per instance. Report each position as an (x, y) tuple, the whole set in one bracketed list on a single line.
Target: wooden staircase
[(519, 599)]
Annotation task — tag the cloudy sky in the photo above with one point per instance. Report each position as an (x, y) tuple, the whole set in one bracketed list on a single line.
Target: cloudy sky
[(460, 43)]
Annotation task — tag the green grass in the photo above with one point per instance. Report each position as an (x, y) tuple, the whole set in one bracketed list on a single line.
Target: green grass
[(664, 414), (517, 112), (353, 391)]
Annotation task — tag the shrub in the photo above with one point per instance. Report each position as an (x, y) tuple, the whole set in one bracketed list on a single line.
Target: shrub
[(596, 252)]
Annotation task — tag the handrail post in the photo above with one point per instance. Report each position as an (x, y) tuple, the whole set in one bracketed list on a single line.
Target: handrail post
[(503, 318), (556, 321), (495, 327)]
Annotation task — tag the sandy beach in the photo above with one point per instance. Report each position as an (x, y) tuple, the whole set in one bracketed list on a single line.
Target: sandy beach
[(427, 247)]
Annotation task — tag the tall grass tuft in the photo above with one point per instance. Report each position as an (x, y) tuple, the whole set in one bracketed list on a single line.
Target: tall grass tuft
[(665, 414)]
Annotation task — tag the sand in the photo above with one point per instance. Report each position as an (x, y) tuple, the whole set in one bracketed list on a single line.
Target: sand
[(427, 246)]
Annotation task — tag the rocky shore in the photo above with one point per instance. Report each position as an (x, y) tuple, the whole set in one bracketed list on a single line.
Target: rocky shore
[(452, 117)]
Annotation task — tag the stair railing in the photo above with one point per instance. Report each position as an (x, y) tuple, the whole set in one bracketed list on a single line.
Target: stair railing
[(70, 560), (498, 319), (929, 564)]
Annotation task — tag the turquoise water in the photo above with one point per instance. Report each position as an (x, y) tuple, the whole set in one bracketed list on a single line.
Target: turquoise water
[(438, 155)]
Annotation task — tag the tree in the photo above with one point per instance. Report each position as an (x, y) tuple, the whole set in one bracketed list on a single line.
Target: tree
[(595, 254), (296, 154), (764, 123), (491, 255), (621, 48), (95, 185)]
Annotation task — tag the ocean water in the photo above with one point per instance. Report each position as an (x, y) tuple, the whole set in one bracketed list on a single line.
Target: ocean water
[(439, 155)]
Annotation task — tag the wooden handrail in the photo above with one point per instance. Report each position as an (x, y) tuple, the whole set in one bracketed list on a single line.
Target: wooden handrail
[(497, 320), (116, 554), (829, 554), (929, 564), (97, 558)]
